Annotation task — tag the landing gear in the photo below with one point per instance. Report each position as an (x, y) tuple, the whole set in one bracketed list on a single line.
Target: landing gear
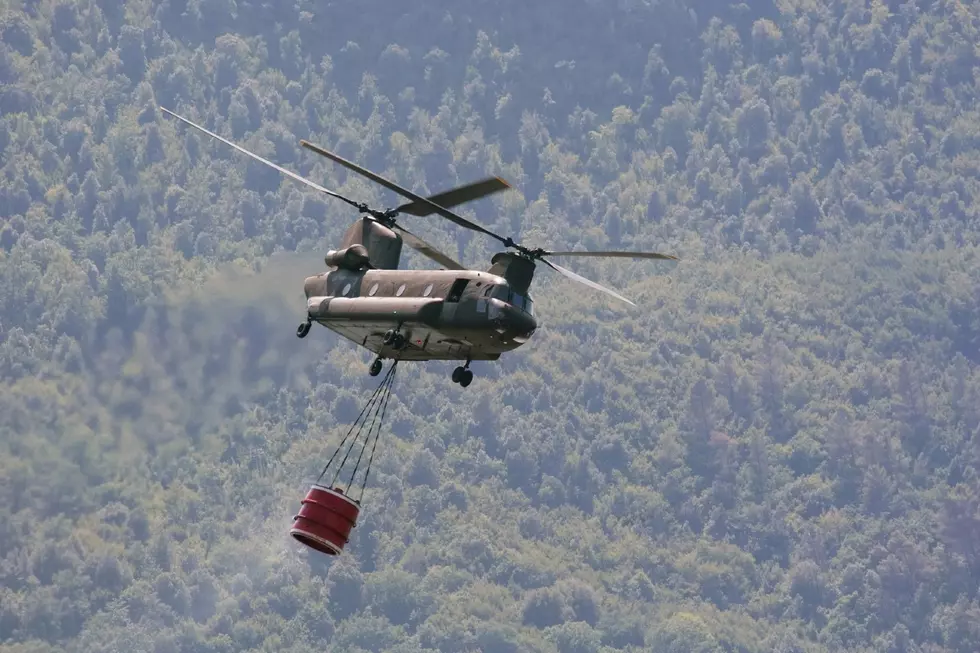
[(463, 375), (394, 339), (303, 329)]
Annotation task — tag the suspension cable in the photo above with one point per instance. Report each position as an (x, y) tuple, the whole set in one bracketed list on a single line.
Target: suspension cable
[(371, 401), (386, 396), (370, 428), (377, 435), (341, 445)]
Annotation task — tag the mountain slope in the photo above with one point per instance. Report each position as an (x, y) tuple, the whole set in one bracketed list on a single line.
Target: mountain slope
[(776, 451)]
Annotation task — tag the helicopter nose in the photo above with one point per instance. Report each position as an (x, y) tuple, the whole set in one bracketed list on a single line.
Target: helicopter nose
[(516, 324)]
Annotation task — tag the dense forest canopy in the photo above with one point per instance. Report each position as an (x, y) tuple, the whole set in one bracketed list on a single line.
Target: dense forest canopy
[(777, 450)]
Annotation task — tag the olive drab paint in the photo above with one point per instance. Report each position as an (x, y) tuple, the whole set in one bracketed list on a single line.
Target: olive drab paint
[(383, 246), (462, 315)]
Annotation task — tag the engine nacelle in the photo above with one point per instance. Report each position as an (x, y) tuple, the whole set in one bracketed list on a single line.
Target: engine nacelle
[(353, 258)]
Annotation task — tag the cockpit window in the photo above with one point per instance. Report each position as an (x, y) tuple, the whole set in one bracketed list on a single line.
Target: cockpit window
[(505, 294)]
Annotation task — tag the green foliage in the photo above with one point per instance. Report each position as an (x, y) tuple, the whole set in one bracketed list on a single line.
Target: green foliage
[(776, 451)]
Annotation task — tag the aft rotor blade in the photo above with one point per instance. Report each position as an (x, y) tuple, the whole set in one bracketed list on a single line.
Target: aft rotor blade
[(293, 175), (588, 282), (390, 185), (654, 255), (425, 248), (458, 195)]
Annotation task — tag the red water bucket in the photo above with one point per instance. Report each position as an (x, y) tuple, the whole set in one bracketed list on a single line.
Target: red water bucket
[(325, 520)]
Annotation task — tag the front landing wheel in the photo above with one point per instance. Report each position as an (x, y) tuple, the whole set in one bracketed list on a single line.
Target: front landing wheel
[(303, 329), (376, 367)]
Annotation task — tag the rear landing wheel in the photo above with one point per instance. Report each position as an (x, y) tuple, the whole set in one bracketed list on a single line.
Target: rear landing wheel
[(376, 367), (303, 329), (462, 376)]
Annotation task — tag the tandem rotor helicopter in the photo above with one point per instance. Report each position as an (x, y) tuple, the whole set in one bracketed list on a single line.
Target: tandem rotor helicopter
[(451, 314)]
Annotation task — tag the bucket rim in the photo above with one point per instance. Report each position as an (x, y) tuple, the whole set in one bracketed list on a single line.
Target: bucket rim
[(337, 493), (300, 534)]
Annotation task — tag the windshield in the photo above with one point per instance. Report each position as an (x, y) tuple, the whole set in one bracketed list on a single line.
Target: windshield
[(505, 294), (501, 292)]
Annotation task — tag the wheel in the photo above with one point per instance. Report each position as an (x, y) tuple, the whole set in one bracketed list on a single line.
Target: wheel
[(303, 329), (376, 367), (457, 374), (399, 342), (466, 378), (389, 337)]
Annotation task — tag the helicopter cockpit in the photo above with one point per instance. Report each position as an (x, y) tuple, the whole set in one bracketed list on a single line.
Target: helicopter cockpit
[(504, 293)]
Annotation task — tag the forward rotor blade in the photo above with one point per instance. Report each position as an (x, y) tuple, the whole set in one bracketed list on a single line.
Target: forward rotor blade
[(293, 175), (655, 255), (458, 195), (417, 199), (425, 248), (588, 282)]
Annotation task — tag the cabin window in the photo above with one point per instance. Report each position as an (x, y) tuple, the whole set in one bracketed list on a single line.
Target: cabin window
[(373, 290), (346, 290), (427, 291), (401, 289)]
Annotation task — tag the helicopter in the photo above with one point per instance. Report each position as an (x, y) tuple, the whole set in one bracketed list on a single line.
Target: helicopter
[(450, 314)]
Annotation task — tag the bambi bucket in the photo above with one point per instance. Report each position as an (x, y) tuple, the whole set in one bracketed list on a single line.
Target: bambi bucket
[(325, 520)]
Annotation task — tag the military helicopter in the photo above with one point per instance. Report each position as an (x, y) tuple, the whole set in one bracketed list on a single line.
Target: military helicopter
[(452, 314)]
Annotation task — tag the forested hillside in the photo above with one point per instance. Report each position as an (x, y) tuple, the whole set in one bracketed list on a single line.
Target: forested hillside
[(777, 450)]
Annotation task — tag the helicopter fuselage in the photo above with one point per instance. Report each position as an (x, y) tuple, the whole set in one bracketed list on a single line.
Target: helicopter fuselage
[(442, 314)]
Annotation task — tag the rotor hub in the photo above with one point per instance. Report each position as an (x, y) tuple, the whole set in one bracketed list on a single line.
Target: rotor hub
[(386, 217), (525, 252)]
